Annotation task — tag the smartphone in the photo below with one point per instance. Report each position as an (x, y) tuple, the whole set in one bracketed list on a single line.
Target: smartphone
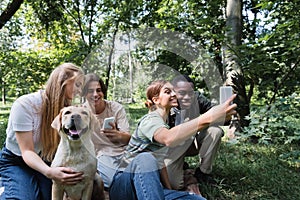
[(106, 121), (225, 93)]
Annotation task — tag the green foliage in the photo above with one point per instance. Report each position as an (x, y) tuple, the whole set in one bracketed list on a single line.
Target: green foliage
[(276, 123), (134, 113), (270, 54), (4, 113), (3, 125), (248, 171), (75, 28), (51, 11), (25, 72), (252, 171)]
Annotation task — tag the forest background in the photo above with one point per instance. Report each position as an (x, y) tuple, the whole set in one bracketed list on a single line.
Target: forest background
[(252, 45)]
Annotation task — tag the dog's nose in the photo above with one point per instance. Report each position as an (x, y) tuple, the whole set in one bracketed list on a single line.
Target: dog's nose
[(75, 117)]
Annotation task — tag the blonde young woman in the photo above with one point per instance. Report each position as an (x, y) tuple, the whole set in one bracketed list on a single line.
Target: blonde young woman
[(31, 142), (139, 175)]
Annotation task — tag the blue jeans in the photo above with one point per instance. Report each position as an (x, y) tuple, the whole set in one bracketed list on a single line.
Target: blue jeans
[(20, 181), (107, 167), (141, 180)]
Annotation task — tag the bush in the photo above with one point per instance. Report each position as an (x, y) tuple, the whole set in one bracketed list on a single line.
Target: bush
[(278, 123)]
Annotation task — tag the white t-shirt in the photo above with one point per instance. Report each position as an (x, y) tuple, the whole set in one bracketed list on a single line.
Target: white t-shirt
[(25, 115)]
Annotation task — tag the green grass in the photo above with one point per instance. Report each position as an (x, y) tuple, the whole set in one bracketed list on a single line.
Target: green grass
[(4, 113), (134, 113), (243, 170), (250, 171)]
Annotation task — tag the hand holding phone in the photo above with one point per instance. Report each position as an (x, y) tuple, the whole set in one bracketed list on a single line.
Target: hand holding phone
[(106, 122), (225, 93)]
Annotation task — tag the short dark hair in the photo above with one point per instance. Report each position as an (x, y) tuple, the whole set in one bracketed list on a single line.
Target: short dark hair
[(90, 78), (182, 78)]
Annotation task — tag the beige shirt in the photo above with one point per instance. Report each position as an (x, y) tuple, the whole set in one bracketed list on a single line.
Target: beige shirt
[(103, 145)]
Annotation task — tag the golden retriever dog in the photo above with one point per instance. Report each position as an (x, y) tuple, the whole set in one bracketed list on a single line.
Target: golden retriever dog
[(75, 125)]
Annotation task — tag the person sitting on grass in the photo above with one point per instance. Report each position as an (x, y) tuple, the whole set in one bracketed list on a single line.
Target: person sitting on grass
[(31, 142), (141, 174), (204, 143), (109, 143)]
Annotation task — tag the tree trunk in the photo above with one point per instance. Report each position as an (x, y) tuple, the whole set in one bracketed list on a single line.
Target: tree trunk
[(130, 69), (3, 92), (110, 58), (233, 75), (10, 10)]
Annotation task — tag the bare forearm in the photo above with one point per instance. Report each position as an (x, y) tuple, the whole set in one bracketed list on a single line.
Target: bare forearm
[(125, 138), (35, 162), (186, 130), (216, 115)]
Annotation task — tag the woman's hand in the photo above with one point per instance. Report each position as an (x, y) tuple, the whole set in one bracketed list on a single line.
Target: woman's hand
[(64, 175), (223, 112)]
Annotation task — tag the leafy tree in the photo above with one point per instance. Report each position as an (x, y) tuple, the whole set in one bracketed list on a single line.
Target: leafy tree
[(272, 59), (266, 52)]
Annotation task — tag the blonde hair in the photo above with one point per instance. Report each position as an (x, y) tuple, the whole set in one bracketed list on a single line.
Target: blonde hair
[(53, 101), (153, 90)]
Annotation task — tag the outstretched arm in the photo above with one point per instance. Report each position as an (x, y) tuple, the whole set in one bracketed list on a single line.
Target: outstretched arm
[(216, 115)]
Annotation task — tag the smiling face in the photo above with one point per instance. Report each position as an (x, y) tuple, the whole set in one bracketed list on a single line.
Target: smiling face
[(75, 121), (167, 97), (185, 94), (94, 94)]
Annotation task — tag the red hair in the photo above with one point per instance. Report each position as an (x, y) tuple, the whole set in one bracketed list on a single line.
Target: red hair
[(153, 90)]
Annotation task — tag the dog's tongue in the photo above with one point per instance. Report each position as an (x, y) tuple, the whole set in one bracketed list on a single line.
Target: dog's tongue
[(74, 132)]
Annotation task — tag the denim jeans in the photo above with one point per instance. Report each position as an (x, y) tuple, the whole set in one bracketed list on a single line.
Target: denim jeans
[(20, 181), (107, 167), (141, 180)]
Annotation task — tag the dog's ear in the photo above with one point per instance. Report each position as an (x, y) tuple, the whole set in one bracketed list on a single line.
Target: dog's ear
[(56, 124)]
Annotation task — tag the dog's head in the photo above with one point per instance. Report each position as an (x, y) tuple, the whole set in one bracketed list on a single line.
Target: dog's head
[(74, 122)]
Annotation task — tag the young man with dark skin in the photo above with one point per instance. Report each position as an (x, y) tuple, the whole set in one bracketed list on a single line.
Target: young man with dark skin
[(205, 144)]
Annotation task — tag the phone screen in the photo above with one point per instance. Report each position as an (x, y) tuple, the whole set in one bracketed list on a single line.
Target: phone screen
[(225, 93)]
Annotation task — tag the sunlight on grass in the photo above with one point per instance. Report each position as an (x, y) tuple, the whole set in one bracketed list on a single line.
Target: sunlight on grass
[(248, 171), (134, 113)]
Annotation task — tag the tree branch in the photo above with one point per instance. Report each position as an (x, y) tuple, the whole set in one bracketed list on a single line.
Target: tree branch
[(293, 68), (10, 10)]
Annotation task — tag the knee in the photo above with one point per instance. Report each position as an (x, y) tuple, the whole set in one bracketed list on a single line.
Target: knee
[(146, 162), (215, 132), (146, 159)]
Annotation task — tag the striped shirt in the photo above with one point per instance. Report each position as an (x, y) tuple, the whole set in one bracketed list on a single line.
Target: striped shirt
[(142, 140)]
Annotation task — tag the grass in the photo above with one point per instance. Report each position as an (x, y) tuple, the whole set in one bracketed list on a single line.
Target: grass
[(134, 113), (243, 170), (251, 171), (4, 113)]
